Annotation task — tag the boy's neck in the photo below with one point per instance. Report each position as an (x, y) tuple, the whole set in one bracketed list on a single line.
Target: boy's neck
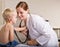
[(9, 23)]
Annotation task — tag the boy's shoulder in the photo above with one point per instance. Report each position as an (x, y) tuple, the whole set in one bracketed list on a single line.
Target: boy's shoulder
[(9, 26), (2, 26), (6, 27)]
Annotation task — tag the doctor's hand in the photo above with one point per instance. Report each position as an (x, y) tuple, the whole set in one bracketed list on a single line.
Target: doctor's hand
[(32, 42), (20, 28), (24, 32)]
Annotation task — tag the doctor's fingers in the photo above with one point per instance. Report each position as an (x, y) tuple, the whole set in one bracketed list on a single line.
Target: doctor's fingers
[(24, 33), (30, 43), (25, 30)]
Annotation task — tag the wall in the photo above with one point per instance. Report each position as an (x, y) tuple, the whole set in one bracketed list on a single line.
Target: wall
[(1, 19), (48, 9)]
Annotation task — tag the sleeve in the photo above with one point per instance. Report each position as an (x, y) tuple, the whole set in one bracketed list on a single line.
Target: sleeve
[(43, 29)]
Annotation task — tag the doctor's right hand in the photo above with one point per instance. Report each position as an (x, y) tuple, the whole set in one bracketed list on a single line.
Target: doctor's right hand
[(24, 32), (20, 28)]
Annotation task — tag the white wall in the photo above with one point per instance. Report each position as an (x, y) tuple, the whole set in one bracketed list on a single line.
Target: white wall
[(48, 9), (1, 19)]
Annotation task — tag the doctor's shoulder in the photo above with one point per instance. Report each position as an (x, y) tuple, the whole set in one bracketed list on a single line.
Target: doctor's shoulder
[(37, 17)]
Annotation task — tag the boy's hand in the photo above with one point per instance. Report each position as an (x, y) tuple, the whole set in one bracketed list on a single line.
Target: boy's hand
[(32, 42)]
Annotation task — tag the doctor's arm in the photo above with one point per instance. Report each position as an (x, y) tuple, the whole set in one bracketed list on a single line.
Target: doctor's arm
[(23, 30), (39, 25), (43, 29), (41, 40), (20, 28)]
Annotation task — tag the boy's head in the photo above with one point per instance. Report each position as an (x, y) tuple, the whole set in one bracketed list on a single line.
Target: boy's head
[(9, 15)]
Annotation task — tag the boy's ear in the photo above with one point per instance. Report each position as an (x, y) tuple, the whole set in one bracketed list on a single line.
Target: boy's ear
[(10, 19)]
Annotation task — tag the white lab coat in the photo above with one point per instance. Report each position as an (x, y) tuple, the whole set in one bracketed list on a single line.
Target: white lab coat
[(40, 30)]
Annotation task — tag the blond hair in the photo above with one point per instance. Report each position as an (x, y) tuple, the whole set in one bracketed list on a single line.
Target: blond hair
[(7, 14)]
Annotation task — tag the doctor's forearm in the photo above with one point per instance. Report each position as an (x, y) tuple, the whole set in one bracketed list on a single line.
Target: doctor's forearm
[(43, 39), (20, 29)]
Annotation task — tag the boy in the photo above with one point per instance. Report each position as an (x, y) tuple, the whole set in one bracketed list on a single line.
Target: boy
[(7, 31)]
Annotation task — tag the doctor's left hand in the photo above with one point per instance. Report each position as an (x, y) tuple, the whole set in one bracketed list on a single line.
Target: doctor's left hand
[(32, 42)]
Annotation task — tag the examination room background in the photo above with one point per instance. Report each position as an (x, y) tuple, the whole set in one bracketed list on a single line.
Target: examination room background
[(48, 9)]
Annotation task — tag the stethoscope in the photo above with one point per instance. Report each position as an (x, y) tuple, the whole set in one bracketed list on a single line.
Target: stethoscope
[(27, 36)]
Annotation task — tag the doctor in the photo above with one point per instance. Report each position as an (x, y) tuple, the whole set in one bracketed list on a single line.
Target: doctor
[(39, 30)]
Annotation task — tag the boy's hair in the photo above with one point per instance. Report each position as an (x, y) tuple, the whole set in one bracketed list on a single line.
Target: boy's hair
[(7, 14)]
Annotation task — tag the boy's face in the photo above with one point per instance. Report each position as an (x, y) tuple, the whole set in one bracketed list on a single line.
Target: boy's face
[(14, 17)]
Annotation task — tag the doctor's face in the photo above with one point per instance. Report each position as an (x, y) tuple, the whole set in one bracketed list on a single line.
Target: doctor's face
[(21, 13)]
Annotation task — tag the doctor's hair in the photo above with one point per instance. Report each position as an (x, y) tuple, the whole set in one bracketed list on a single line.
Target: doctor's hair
[(23, 5), (7, 14)]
